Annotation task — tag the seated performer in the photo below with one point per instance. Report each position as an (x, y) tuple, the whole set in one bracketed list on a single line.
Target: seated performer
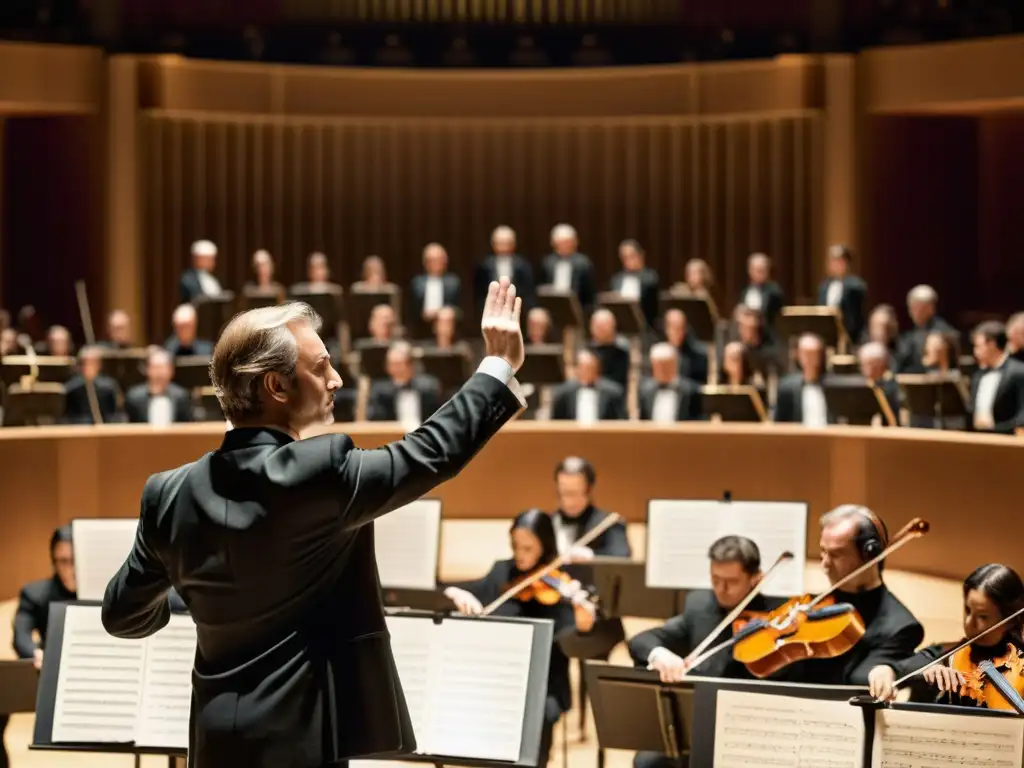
[(576, 514), (33, 615), (991, 593), (735, 571), (533, 547), (851, 535)]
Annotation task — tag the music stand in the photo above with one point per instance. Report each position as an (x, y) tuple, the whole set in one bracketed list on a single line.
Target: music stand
[(326, 301), (205, 405), (360, 306), (213, 313), (372, 355), (192, 371), (41, 405), (126, 366), (629, 320), (257, 296), (701, 312), (844, 364), (51, 368), (449, 366), (733, 403), (858, 402), (932, 396), (562, 306), (622, 585), (824, 322), (18, 682), (544, 365)]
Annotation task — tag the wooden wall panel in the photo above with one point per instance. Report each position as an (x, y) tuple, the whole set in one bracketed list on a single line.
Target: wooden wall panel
[(715, 188)]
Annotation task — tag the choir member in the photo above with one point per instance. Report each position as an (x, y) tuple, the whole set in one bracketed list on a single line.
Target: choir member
[(198, 280), (588, 398), (404, 396), (78, 409), (991, 593), (382, 324), (318, 276), (666, 397), (436, 287), (533, 546), (801, 395), (576, 514), (761, 293), (737, 367), (922, 304), (610, 348), (997, 387), (566, 269), (183, 342), (58, 342), (693, 355), (373, 276), (845, 291), (884, 327), (263, 274), (158, 401), (874, 366), (698, 279), (940, 353), (446, 330), (503, 261), (538, 326), (119, 331), (1015, 336), (637, 281)]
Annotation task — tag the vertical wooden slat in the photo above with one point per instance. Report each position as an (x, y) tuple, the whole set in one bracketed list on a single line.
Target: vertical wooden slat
[(729, 182), (775, 226), (800, 260)]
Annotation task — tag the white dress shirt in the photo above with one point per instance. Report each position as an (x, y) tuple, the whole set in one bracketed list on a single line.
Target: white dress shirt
[(985, 398), (498, 368), (665, 407), (563, 275), (209, 284), (433, 294), (834, 293), (407, 409), (753, 298), (565, 533), (586, 405), (814, 407), (630, 288), (503, 266), (161, 411)]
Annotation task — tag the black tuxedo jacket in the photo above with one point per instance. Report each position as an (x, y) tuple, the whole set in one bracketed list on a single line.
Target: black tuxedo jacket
[(688, 400), (269, 542), (198, 348), (614, 362), (584, 283), (611, 543), (189, 286), (772, 302), (789, 402), (650, 284), (682, 633), (33, 614), (611, 400), (522, 279), (693, 360), (910, 346), (418, 290), (1008, 407), (851, 303), (136, 403), (76, 400), (383, 393)]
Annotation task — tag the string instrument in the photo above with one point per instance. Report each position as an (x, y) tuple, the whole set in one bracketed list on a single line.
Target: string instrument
[(549, 589), (90, 339), (808, 627), (530, 581)]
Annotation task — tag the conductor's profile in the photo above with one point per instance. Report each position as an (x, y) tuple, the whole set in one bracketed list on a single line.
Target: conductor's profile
[(269, 542)]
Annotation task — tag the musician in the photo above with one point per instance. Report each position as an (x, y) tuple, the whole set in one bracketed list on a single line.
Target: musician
[(997, 387), (58, 342), (761, 293), (693, 354), (77, 408), (843, 290), (533, 546), (1015, 336), (576, 514), (381, 325), (991, 593), (33, 613), (374, 276), (566, 269), (637, 281), (538, 326), (436, 287), (698, 279), (318, 276), (801, 395), (269, 542), (589, 397), (503, 261), (611, 350), (263, 272), (184, 342), (851, 535), (198, 280), (404, 396), (884, 327), (666, 397), (158, 401), (119, 331), (874, 366), (922, 305)]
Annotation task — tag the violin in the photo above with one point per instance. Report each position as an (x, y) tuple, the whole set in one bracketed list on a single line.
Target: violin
[(808, 627), (996, 683), (548, 589)]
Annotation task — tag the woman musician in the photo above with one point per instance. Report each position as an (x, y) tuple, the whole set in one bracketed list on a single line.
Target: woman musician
[(991, 594), (533, 545)]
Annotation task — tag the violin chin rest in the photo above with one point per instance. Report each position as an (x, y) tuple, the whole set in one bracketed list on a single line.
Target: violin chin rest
[(868, 701)]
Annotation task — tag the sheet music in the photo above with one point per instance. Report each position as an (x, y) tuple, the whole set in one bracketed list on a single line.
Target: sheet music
[(786, 732), (166, 696), (933, 740), (406, 543), (465, 682), (679, 533), (99, 686), (101, 547)]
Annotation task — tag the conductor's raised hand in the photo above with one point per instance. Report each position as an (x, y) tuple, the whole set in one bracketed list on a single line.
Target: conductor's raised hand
[(502, 332)]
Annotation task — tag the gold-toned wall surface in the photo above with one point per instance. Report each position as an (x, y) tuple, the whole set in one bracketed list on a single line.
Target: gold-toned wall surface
[(55, 474)]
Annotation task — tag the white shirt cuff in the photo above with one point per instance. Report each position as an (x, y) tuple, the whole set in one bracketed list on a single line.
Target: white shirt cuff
[(653, 655), (499, 368)]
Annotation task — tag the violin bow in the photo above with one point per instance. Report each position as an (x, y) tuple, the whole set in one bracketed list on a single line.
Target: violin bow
[(735, 612), (90, 339), (912, 530), (588, 537)]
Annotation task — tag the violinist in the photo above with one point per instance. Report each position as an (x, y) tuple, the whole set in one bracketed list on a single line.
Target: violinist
[(533, 545), (991, 594), (851, 535)]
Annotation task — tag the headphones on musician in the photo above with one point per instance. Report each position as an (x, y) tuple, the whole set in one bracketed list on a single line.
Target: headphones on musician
[(872, 535)]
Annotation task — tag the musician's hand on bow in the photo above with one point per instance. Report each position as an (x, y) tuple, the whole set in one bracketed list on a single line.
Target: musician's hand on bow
[(502, 332), (465, 602), (947, 680), (670, 667), (882, 683), (579, 555)]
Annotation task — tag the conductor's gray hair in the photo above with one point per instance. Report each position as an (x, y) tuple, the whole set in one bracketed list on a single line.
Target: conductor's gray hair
[(254, 344), (923, 294)]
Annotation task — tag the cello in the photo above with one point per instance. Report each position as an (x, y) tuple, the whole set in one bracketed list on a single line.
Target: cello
[(809, 627)]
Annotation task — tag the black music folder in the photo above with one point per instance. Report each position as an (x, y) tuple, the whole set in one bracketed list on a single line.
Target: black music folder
[(18, 682), (327, 302), (701, 312), (562, 306), (629, 320), (934, 396), (844, 365), (258, 296), (213, 313), (621, 584), (192, 371), (41, 405), (855, 401), (544, 364), (359, 306), (372, 356), (451, 367), (740, 403), (126, 366), (824, 322)]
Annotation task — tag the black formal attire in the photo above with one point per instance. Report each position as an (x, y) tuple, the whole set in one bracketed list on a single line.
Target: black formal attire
[(851, 303), (922, 691), (789, 404), (687, 397), (891, 634), (76, 400), (269, 542), (198, 348), (1008, 405), (190, 287), (910, 346), (582, 283), (451, 293), (522, 279), (611, 543), (650, 285), (384, 395), (136, 403), (33, 615), (614, 360), (890, 391), (693, 359), (611, 400), (559, 698), (772, 301)]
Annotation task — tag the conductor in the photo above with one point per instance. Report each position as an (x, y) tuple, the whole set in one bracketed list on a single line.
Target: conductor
[(269, 542)]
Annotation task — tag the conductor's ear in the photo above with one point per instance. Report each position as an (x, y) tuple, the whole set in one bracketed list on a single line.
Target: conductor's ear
[(277, 386)]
